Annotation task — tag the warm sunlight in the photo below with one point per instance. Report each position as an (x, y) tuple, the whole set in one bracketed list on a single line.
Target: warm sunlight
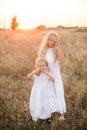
[(31, 13)]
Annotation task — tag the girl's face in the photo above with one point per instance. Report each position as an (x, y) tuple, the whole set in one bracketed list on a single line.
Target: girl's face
[(41, 65), (52, 41)]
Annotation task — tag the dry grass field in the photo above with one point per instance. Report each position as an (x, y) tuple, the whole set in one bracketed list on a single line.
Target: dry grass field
[(18, 51)]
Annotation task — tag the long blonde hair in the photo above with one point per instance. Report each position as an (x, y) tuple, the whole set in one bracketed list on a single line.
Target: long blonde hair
[(44, 46)]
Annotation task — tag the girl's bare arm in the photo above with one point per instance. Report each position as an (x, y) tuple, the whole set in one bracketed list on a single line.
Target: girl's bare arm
[(50, 76), (29, 76)]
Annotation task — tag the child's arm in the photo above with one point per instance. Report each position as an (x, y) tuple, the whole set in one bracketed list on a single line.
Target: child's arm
[(50, 76), (29, 76)]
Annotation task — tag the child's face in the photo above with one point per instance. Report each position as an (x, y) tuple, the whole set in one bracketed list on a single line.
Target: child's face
[(52, 41), (41, 66)]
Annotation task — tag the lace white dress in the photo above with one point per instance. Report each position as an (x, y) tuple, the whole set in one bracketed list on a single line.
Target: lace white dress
[(42, 97), (58, 85)]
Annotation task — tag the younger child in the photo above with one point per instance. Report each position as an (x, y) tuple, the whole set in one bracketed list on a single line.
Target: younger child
[(42, 98)]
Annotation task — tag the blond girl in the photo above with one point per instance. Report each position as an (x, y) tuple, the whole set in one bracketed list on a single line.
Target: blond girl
[(50, 49)]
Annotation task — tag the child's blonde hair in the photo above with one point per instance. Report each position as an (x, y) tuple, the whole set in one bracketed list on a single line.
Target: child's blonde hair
[(44, 45)]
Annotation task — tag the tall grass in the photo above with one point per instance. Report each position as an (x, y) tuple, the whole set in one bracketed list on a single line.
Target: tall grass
[(18, 51)]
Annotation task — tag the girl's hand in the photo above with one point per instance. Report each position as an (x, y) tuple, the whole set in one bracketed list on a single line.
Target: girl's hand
[(37, 72), (50, 75)]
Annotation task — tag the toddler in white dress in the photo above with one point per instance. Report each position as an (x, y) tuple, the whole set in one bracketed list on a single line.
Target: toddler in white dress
[(42, 97)]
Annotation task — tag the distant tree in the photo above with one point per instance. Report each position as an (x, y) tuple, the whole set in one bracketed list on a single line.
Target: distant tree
[(41, 27), (14, 23)]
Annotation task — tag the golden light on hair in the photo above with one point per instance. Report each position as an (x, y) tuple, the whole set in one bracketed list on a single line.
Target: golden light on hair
[(44, 45)]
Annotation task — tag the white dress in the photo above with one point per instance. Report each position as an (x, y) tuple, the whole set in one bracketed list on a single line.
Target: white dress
[(42, 97), (58, 85)]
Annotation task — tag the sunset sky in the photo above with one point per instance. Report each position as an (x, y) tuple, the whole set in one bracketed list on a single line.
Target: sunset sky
[(31, 13)]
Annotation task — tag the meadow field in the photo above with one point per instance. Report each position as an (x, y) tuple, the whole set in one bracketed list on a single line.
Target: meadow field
[(18, 51)]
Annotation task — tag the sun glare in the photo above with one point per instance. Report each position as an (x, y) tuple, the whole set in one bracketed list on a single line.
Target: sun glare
[(38, 12), (31, 13), (28, 14)]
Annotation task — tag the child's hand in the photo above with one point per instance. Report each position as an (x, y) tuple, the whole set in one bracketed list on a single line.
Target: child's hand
[(37, 72), (30, 75), (51, 77)]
